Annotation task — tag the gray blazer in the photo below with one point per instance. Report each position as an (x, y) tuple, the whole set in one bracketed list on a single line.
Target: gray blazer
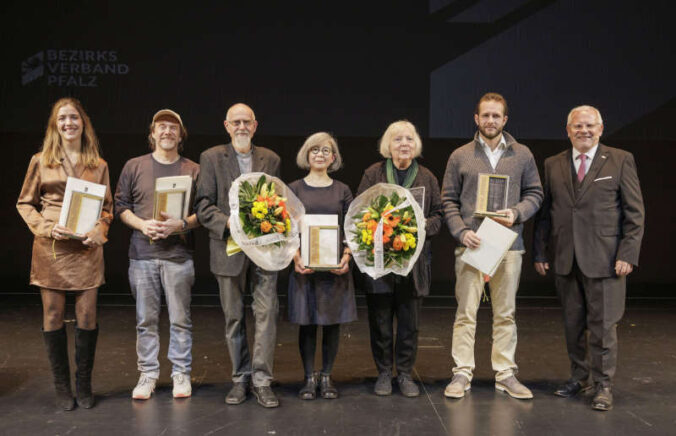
[(219, 168), (600, 224)]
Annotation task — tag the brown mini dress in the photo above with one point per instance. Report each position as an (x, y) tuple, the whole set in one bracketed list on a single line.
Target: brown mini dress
[(66, 265)]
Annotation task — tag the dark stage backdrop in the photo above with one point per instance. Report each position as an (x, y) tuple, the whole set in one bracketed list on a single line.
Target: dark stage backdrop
[(350, 68)]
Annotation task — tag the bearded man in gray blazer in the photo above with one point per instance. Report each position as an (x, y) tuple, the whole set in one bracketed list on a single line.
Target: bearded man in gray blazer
[(221, 165), (592, 220)]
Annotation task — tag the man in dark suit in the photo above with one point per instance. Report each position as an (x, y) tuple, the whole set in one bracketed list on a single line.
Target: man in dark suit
[(593, 216), (221, 165)]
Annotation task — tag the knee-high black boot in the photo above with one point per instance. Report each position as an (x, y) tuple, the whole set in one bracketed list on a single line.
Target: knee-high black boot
[(85, 347), (56, 342)]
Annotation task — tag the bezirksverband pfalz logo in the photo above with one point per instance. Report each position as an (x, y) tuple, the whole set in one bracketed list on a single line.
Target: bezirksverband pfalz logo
[(64, 67)]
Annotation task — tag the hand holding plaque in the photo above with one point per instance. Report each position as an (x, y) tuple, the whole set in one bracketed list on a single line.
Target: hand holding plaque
[(491, 195), (81, 209), (172, 198)]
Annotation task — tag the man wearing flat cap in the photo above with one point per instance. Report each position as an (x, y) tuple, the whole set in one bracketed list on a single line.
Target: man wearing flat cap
[(160, 254)]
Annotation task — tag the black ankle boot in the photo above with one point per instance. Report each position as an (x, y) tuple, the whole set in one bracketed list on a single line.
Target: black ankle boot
[(56, 342), (85, 347), (309, 391)]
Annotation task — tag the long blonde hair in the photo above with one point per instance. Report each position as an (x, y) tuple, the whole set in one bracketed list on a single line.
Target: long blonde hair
[(52, 148)]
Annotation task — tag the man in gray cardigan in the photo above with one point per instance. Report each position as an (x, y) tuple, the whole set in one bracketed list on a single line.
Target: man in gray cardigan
[(220, 166), (496, 152)]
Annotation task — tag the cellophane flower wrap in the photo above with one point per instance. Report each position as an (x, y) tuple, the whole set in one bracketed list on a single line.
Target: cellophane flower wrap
[(385, 229), (264, 219)]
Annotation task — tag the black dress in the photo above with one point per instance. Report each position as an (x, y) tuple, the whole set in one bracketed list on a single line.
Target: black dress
[(322, 298)]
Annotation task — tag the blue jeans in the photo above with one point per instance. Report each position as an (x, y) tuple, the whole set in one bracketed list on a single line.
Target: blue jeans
[(148, 278)]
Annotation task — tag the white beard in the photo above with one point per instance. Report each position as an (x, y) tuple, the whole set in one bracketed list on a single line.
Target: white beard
[(241, 141)]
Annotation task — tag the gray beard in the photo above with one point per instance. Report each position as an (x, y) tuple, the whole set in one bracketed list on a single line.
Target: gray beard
[(241, 142)]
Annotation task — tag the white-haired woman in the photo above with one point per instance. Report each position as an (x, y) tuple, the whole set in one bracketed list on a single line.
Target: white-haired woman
[(316, 297), (393, 296), (59, 262)]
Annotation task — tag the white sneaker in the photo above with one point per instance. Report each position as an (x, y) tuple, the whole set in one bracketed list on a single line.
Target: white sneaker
[(182, 388), (144, 388)]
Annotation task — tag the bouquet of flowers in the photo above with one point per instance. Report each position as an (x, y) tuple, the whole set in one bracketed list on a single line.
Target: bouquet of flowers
[(385, 229), (264, 220)]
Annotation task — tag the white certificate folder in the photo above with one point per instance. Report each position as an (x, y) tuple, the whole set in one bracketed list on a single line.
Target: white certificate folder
[(496, 240), (82, 204)]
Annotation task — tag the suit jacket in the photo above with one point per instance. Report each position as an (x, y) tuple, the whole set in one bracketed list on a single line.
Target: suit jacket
[(218, 169), (600, 224), (433, 211)]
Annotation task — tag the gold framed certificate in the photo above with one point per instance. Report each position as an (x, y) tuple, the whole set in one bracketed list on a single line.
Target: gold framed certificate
[(82, 205), (320, 242), (324, 247), (491, 195), (172, 196)]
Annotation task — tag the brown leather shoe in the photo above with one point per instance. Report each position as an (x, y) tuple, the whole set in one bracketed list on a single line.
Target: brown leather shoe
[(265, 396), (457, 387), (603, 400), (514, 388)]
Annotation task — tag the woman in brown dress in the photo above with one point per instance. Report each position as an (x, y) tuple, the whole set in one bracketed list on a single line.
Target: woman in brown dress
[(61, 263)]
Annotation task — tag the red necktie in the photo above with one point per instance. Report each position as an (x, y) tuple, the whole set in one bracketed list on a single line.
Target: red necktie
[(582, 170)]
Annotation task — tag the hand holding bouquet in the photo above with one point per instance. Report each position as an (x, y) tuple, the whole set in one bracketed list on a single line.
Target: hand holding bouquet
[(385, 229)]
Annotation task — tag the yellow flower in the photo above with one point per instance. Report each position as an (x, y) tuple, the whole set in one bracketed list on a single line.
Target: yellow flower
[(288, 224), (366, 237), (410, 241)]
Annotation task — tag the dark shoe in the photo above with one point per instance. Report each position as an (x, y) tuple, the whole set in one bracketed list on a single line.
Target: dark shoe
[(603, 400), (265, 396), (237, 394), (571, 388), (326, 388), (383, 384), (57, 350), (407, 386), (309, 391), (85, 348)]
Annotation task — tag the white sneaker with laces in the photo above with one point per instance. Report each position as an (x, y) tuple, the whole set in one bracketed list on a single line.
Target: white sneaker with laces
[(182, 387), (144, 388)]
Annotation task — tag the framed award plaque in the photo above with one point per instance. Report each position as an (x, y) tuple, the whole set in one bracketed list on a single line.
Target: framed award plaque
[(491, 195), (82, 205), (320, 246), (172, 196)]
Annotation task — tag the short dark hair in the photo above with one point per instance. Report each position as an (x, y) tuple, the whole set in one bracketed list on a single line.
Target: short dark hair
[(492, 96)]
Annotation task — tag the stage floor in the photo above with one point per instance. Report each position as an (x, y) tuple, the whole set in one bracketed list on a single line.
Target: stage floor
[(644, 385)]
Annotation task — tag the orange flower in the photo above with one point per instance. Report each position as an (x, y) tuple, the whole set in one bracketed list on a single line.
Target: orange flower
[(392, 220), (280, 227), (260, 198), (386, 239), (285, 214), (266, 226), (372, 225), (387, 230), (407, 220), (366, 217), (398, 244)]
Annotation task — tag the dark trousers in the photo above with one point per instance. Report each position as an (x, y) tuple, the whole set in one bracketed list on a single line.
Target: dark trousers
[(382, 309), (307, 342), (594, 305)]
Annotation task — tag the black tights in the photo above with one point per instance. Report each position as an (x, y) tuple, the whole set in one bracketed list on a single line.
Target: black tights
[(307, 341)]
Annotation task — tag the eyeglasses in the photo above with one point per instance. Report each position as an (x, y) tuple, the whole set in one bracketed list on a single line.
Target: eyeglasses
[(325, 150), (237, 123), (580, 126)]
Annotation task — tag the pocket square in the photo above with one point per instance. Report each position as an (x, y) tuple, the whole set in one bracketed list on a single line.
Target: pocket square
[(603, 178)]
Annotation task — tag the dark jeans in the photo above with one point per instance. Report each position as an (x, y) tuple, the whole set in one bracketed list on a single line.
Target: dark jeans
[(382, 308)]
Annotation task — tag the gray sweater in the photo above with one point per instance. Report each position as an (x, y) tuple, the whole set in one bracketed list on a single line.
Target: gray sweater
[(458, 193)]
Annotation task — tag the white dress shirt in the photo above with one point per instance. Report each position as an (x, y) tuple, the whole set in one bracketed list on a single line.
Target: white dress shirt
[(494, 155)]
